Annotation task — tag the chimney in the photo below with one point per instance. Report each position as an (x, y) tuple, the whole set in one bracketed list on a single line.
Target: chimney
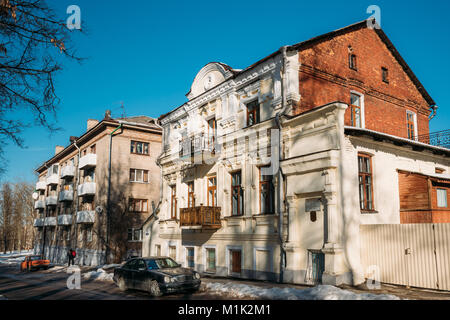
[(58, 149), (72, 139), (91, 123)]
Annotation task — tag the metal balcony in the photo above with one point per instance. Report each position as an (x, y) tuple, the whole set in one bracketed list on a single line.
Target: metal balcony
[(53, 179), (200, 217), (88, 161), (87, 188), (66, 195), (39, 204), (438, 139), (40, 185), (50, 221), (197, 149), (38, 222), (64, 220), (85, 216), (67, 171), (51, 200)]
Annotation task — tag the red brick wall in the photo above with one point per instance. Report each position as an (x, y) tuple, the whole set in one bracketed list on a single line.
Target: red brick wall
[(326, 77)]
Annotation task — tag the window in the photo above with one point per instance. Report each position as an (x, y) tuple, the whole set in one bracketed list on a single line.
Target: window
[(266, 193), (138, 205), (157, 250), (365, 182), (138, 175), (237, 194), (89, 175), (134, 234), (173, 252), (355, 109), (138, 147), (352, 61), (439, 170), (190, 259), (410, 124), (385, 74), (442, 198), (191, 198), (212, 191), (88, 234), (252, 113), (173, 202), (211, 259), (92, 149)]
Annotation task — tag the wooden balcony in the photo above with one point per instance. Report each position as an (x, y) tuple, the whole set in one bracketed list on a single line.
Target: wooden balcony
[(203, 217)]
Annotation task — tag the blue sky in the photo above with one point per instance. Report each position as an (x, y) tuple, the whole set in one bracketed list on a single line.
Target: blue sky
[(146, 54)]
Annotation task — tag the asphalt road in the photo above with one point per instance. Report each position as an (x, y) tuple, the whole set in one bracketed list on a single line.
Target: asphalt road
[(52, 285)]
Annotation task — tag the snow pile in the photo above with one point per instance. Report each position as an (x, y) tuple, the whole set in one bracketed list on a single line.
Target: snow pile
[(15, 254), (100, 274), (320, 292), (109, 266)]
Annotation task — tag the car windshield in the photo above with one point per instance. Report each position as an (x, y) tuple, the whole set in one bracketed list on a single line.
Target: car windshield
[(35, 258), (161, 263)]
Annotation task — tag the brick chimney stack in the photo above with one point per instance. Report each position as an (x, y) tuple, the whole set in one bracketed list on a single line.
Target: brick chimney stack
[(58, 149)]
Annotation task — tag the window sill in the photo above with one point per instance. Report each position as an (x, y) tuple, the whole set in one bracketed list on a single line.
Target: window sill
[(369, 212)]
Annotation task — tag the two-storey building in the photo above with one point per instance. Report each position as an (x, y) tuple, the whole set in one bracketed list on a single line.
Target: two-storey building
[(93, 195), (269, 172)]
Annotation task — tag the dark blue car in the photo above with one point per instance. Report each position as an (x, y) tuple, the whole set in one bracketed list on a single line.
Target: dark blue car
[(156, 275)]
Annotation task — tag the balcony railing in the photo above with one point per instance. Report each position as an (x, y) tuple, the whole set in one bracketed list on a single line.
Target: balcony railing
[(53, 179), (87, 188), (200, 146), (204, 217), (64, 220), (39, 204), (40, 185), (67, 171), (88, 161), (85, 216), (438, 139), (50, 221), (38, 222), (66, 195)]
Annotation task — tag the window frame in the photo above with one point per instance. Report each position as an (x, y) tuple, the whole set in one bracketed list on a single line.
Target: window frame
[(385, 74), (413, 123), (143, 172), (188, 257), (437, 198), (361, 176), (240, 192), (352, 62), (145, 147), (132, 204), (212, 188), (269, 182), (353, 107), (191, 194), (207, 260), (256, 111), (173, 202)]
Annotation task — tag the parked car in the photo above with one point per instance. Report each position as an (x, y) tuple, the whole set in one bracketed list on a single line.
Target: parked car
[(156, 275), (33, 263)]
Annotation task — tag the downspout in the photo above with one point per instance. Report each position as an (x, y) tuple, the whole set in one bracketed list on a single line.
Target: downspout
[(434, 109), (108, 205), (45, 217), (78, 198), (281, 177)]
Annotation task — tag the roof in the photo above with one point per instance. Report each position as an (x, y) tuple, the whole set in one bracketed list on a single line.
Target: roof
[(327, 36)]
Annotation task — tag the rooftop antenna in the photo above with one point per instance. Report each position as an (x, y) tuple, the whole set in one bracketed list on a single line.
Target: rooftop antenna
[(123, 109)]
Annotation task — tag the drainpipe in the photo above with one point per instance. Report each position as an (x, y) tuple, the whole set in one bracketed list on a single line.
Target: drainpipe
[(108, 205), (281, 177), (45, 216), (434, 109), (78, 198)]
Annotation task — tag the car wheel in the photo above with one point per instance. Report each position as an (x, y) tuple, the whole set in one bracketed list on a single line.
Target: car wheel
[(154, 288), (121, 284)]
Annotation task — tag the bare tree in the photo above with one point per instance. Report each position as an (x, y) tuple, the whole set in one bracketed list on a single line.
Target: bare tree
[(6, 209), (33, 44)]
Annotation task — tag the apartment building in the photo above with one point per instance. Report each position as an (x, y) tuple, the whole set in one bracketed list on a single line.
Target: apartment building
[(94, 194), (269, 172)]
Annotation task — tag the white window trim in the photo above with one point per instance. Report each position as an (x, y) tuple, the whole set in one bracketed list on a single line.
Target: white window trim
[(172, 244), (205, 260), (361, 101), (228, 260), (270, 250), (416, 133), (154, 249), (437, 198)]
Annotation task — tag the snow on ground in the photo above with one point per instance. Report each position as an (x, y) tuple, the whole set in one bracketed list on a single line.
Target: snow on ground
[(100, 274), (14, 257), (320, 292), (109, 266)]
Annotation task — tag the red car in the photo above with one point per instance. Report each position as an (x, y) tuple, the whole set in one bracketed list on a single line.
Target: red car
[(33, 263)]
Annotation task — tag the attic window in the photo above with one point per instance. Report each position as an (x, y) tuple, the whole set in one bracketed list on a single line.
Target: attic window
[(352, 61), (384, 75), (439, 170)]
